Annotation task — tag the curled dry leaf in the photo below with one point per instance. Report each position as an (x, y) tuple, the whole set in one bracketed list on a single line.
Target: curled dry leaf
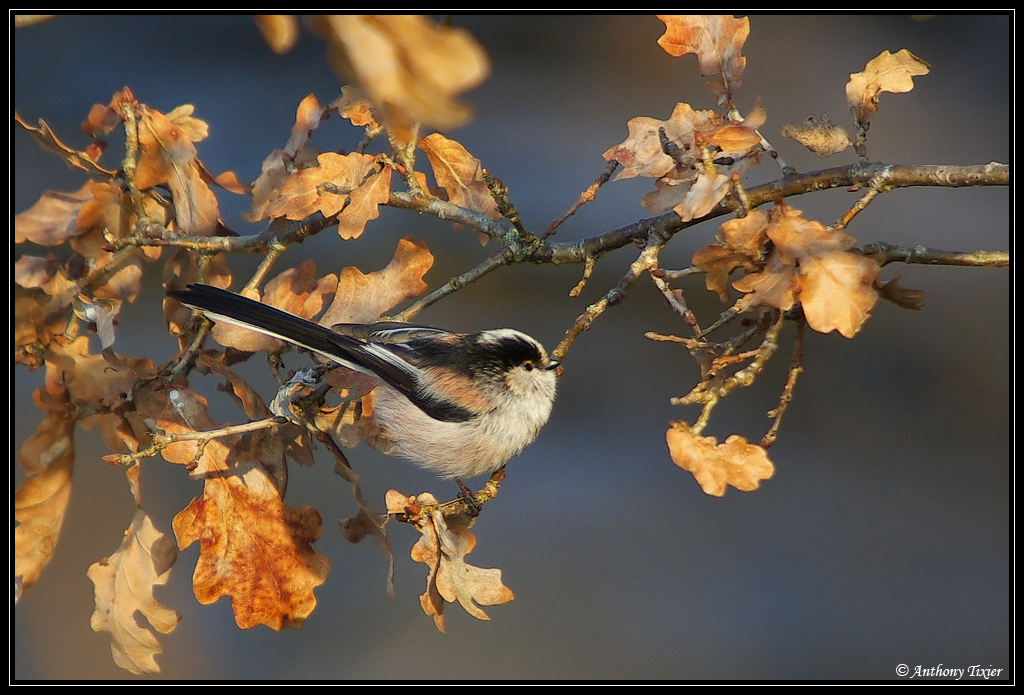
[(819, 136), (355, 107), (886, 72), (53, 219), (892, 291), (123, 586), (714, 465), (716, 40), (740, 245), (703, 196), (49, 141), (168, 156)]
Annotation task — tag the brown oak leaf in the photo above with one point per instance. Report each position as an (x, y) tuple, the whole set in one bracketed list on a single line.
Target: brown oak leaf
[(363, 298), (716, 40), (714, 465), (459, 173), (168, 156), (123, 586), (53, 219), (253, 548), (442, 547), (643, 154), (48, 457), (818, 135), (886, 72), (812, 264)]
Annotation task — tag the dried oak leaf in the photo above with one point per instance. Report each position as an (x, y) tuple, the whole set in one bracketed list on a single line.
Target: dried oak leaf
[(168, 156), (716, 40), (819, 136), (714, 465), (812, 264), (443, 547), (835, 286), (459, 173), (48, 457), (327, 189), (409, 67), (703, 196), (354, 106), (103, 118), (123, 586), (740, 245), (363, 298), (72, 157), (253, 548), (643, 154), (886, 72), (53, 219)]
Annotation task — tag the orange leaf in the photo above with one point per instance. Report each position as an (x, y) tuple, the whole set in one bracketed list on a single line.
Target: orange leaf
[(253, 549), (409, 67), (714, 465), (363, 203), (442, 547), (48, 456), (716, 40), (363, 298), (703, 196), (775, 285), (886, 72), (642, 153), (324, 188), (459, 173), (280, 31), (811, 264), (53, 219), (836, 291), (168, 157)]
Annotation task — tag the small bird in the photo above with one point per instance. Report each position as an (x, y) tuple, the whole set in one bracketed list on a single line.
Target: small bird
[(457, 404)]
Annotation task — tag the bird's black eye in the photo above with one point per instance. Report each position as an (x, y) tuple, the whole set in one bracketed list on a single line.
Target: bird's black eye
[(528, 365)]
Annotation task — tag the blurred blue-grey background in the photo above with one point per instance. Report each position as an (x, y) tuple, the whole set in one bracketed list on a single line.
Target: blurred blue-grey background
[(883, 538)]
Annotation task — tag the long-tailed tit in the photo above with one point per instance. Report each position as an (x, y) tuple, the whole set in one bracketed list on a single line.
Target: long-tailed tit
[(457, 404)]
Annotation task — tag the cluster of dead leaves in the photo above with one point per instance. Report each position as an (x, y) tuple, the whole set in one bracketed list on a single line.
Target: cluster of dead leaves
[(695, 155), (804, 262), (887, 72)]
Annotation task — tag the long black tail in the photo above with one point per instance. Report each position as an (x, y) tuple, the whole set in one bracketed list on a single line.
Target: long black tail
[(221, 305)]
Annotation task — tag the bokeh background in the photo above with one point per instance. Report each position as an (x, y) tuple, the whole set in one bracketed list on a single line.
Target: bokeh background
[(883, 538)]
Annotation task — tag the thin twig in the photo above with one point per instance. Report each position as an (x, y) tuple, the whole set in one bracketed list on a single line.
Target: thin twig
[(585, 197)]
